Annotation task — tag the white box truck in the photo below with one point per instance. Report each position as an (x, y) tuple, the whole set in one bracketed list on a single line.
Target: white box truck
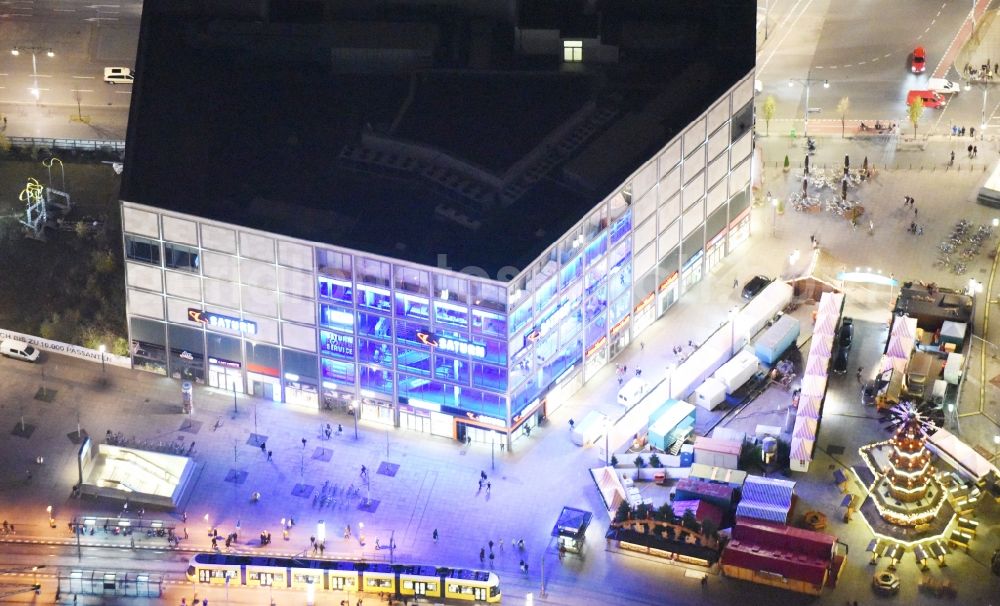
[(632, 391)]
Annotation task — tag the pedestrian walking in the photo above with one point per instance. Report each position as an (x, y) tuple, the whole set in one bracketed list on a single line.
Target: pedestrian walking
[(954, 130), (859, 374), (975, 151), (488, 486), (500, 544), (482, 555), (642, 346), (435, 535), (482, 474), (735, 283), (480, 483), (572, 424), (184, 516), (270, 453), (970, 150), (704, 580), (263, 448), (914, 212), (972, 132), (951, 162), (490, 544), (340, 429), (491, 559)]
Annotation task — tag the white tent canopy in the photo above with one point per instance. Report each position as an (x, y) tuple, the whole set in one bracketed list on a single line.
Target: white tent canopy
[(904, 326), (826, 324), (814, 385), (822, 345), (817, 366), (809, 407)]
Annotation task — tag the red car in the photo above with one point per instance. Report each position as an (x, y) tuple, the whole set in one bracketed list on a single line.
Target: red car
[(929, 98), (919, 63)]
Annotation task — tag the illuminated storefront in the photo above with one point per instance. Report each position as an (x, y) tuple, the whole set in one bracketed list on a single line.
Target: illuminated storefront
[(430, 349)]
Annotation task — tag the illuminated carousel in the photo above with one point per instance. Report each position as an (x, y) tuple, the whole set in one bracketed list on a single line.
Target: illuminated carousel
[(906, 504)]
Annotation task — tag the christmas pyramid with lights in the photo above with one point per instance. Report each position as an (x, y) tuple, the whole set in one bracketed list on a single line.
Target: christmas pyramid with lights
[(905, 491)]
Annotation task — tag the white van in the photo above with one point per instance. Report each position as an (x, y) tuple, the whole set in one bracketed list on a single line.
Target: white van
[(632, 391), (19, 350), (116, 75), (943, 86)]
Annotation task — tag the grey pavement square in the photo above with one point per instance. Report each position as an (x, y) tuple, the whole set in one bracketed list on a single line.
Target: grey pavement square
[(388, 469), (369, 505), (835, 449), (23, 431), (45, 395), (236, 476), (190, 426), (257, 439), (323, 454), (302, 490), (77, 438)]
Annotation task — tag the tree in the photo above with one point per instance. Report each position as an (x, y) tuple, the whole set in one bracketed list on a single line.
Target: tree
[(914, 112), (842, 108), (767, 111), (622, 513), (654, 461), (690, 522)]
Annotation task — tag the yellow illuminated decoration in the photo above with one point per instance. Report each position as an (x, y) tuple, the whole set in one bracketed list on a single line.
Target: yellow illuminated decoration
[(33, 193)]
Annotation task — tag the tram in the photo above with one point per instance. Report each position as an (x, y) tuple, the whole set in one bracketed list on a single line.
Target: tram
[(454, 585)]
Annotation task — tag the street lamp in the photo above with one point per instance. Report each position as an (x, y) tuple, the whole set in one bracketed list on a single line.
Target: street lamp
[(807, 82), (671, 368), (774, 212), (102, 349), (982, 121), (354, 412), (34, 50)]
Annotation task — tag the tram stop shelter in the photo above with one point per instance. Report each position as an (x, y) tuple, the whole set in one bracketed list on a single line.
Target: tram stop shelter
[(570, 529)]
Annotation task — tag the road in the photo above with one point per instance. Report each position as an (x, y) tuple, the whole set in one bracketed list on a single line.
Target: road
[(863, 49), (64, 95)]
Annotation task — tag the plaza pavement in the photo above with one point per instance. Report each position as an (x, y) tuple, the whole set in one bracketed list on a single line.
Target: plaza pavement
[(435, 486)]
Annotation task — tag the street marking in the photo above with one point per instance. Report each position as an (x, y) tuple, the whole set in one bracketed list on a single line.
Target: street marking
[(84, 77), (862, 62), (41, 75), (64, 10), (81, 90), (123, 92)]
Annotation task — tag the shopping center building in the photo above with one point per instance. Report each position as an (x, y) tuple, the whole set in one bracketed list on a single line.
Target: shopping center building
[(445, 215)]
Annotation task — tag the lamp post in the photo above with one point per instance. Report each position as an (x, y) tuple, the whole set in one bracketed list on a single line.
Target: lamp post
[(982, 121), (354, 413), (103, 349), (774, 213), (671, 368), (493, 445), (807, 82), (34, 50)]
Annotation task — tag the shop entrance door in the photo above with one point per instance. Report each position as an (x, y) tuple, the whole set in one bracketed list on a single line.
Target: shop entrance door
[(419, 588)]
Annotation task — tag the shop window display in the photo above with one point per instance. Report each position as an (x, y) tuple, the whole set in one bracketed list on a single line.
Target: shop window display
[(414, 361), (374, 325), (409, 306), (451, 369), (336, 370), (374, 297), (489, 323), (336, 289), (374, 352), (376, 379), (337, 318), (451, 315)]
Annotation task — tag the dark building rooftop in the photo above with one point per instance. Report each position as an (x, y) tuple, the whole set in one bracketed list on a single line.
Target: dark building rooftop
[(417, 128)]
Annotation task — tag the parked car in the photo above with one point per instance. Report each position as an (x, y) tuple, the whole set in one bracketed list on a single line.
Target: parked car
[(943, 86), (846, 336), (929, 97), (919, 62), (19, 350), (753, 287), (116, 75)]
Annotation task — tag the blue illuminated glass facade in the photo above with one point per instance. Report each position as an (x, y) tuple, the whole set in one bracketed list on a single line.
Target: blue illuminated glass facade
[(396, 338)]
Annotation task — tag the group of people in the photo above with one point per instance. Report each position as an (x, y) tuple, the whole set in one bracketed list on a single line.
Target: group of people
[(959, 131)]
